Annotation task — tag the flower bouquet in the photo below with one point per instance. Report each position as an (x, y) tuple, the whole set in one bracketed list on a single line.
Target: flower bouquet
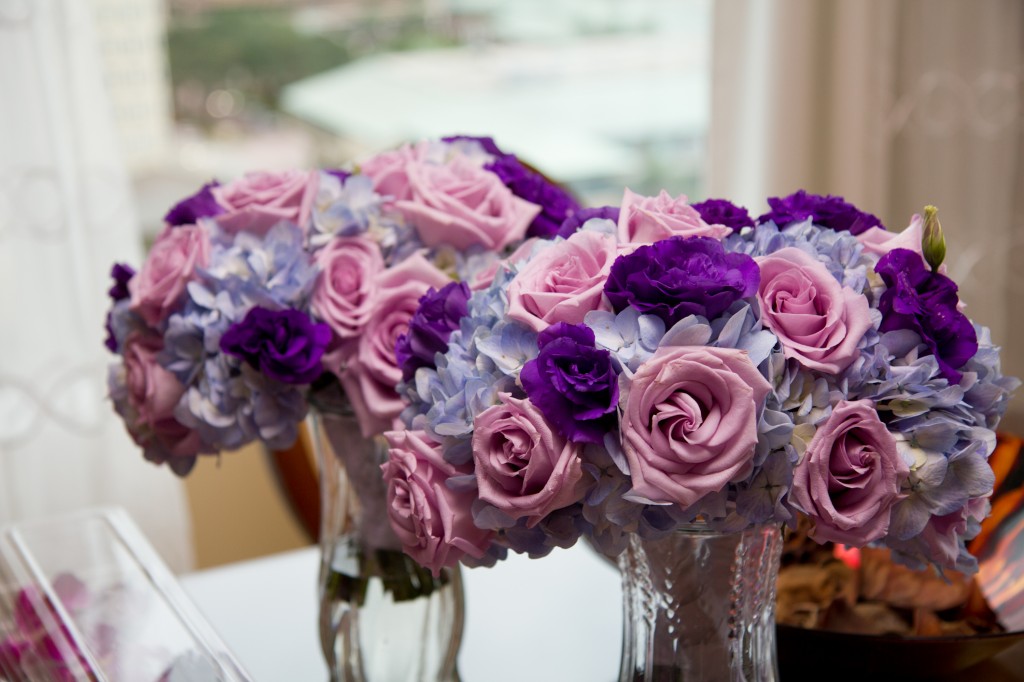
[(278, 291), (674, 382)]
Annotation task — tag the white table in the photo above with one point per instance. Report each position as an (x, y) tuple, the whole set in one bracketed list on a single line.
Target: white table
[(556, 619)]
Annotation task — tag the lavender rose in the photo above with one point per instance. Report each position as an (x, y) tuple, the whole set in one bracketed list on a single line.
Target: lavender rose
[(368, 368), (689, 423), (388, 170), (926, 302), (524, 467), (827, 211), (678, 277), (258, 201), (850, 476), (563, 282), (462, 205), (189, 210), (284, 345), (650, 219), (723, 212), (819, 321), (573, 383), (147, 400), (438, 315), (878, 241), (171, 264), (433, 521), (344, 295)]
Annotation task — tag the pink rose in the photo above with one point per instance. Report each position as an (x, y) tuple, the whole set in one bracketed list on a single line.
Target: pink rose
[(523, 465), (171, 264), (152, 394), (461, 205), (344, 295), (880, 242), (649, 219), (689, 424), (371, 371), (388, 170), (818, 320), (563, 282), (850, 476), (258, 201), (434, 522)]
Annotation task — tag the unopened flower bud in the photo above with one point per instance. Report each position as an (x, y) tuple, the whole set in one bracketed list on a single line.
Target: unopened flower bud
[(933, 243)]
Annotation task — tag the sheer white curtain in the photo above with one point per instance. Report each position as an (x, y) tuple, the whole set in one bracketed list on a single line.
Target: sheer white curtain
[(65, 216), (894, 104)]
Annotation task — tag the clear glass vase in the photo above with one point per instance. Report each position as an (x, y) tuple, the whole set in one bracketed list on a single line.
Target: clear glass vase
[(699, 605), (383, 618)]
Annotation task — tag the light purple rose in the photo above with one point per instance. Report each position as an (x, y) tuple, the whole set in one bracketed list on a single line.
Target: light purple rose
[(152, 394), (643, 220), (563, 282), (369, 371), (344, 295), (850, 476), (171, 264), (258, 201), (462, 205), (388, 169), (433, 522), (689, 423), (524, 466), (879, 241), (819, 321)]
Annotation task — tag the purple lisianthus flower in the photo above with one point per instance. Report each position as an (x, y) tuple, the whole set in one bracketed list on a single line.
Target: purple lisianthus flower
[(681, 276), (573, 383), (118, 292), (577, 218), (430, 327), (122, 274), (724, 212), (285, 345), (828, 211), (199, 205), (925, 302), (342, 175)]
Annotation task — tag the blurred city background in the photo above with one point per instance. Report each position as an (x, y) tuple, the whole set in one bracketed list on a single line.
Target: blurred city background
[(597, 93)]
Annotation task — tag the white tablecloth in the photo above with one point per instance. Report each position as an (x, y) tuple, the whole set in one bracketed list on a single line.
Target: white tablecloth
[(556, 619)]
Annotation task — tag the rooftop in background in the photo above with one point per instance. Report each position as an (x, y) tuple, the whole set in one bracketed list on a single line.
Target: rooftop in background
[(593, 109)]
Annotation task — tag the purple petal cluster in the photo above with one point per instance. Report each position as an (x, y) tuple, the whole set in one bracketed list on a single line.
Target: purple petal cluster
[(191, 209), (342, 175), (121, 274), (828, 211), (118, 292), (286, 345), (577, 218), (925, 302), (682, 276), (724, 212), (573, 383), (431, 326)]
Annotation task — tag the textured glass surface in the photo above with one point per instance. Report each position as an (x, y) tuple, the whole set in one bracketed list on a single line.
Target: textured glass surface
[(700, 606), (383, 618)]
